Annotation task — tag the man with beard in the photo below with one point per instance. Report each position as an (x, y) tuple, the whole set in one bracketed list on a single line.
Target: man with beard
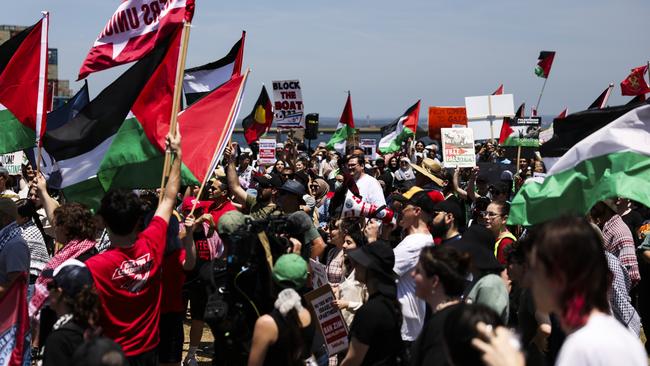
[(416, 212), (444, 225)]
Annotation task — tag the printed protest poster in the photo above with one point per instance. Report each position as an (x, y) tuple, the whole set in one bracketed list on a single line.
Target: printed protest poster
[(266, 155), (318, 274), (289, 109), (330, 319), (524, 132), (12, 162), (369, 147), (445, 117), (458, 147)]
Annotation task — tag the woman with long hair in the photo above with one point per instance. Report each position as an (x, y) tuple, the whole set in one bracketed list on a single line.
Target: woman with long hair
[(351, 293), (73, 298), (375, 333), (570, 278), (496, 217), (440, 280), (285, 336)]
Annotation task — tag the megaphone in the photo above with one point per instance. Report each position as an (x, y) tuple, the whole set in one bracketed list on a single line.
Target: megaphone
[(356, 207)]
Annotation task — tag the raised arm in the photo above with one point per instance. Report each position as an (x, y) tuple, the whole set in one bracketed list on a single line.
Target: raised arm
[(168, 201), (49, 203), (231, 177)]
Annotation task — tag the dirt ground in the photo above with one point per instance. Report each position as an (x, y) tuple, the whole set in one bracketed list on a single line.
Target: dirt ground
[(205, 351)]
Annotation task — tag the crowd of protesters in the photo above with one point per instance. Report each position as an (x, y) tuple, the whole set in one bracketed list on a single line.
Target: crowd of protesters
[(446, 282)]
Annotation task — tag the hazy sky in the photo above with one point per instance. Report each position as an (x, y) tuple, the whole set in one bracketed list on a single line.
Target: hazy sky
[(390, 53)]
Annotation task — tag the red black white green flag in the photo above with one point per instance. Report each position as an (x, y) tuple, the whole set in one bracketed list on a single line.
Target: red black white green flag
[(260, 118), (602, 99), (135, 28), (344, 130), (544, 63), (23, 80), (563, 114), (634, 84), (499, 90), (398, 131)]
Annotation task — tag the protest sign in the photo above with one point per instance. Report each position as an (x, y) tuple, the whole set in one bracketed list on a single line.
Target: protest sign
[(485, 114), (12, 162), (445, 117), (318, 274), (525, 131), (266, 155), (289, 109), (458, 147), (369, 147), (330, 319)]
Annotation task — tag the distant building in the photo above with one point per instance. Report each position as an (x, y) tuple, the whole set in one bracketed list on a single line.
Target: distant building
[(60, 89)]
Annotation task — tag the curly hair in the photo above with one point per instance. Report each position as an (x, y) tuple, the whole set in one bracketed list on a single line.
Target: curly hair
[(77, 220), (121, 210), (85, 307)]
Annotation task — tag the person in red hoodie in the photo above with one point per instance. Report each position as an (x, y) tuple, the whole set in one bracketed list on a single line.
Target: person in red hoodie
[(127, 276)]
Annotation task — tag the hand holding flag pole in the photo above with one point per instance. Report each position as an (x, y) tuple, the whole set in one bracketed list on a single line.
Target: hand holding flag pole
[(232, 116), (180, 67)]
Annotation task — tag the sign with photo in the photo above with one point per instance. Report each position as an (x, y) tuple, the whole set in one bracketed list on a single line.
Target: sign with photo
[(458, 147)]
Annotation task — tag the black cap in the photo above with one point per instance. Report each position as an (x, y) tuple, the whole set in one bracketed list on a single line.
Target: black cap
[(294, 187), (268, 180), (422, 200), (449, 207), (71, 276)]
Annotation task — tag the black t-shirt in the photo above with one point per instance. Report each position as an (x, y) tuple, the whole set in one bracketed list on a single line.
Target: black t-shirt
[(429, 348), (633, 220), (377, 325), (62, 343)]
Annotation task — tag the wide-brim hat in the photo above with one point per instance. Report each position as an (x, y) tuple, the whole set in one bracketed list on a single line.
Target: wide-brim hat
[(430, 168)]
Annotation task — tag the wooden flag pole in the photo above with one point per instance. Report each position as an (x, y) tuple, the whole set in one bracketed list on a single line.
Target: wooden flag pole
[(231, 115), (41, 117), (539, 99), (173, 120)]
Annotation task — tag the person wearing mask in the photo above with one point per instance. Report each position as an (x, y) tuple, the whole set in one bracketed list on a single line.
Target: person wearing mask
[(576, 290), (440, 280), (496, 217), (444, 225), (417, 210), (284, 336), (375, 331), (369, 187), (75, 301)]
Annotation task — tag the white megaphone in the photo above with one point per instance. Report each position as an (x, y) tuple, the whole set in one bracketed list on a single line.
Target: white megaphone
[(356, 207)]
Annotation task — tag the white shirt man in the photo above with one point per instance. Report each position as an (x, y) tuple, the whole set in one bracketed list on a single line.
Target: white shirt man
[(369, 188), (417, 209)]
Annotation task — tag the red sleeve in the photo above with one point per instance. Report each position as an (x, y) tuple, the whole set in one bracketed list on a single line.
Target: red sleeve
[(501, 251), (155, 237)]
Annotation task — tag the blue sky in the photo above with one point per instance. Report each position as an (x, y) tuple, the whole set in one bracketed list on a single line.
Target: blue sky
[(388, 53)]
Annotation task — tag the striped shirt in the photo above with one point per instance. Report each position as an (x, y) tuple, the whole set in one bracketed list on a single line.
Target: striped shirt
[(618, 240)]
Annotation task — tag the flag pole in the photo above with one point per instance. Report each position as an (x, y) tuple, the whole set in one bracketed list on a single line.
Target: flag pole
[(42, 81), (231, 115), (180, 70), (539, 99)]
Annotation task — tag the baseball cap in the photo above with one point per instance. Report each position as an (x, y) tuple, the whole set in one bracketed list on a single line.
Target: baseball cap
[(294, 187), (189, 201), (71, 276), (230, 222), (449, 207), (268, 180), (506, 175), (290, 270), (436, 196), (8, 207)]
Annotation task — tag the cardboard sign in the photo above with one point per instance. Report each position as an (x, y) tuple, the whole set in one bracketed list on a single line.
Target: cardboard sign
[(525, 131), (445, 117), (369, 147), (12, 162), (458, 147), (330, 319), (266, 155), (289, 109), (318, 274), (485, 114)]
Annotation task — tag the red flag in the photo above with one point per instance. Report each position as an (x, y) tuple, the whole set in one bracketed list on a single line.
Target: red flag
[(205, 126), (634, 84), (544, 63), (499, 90), (14, 325), (602, 99), (533, 111), (563, 114), (260, 118), (506, 131), (347, 117), (21, 84), (134, 30)]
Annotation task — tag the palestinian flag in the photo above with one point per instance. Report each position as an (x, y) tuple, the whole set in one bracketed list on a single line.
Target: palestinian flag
[(260, 119), (506, 131), (612, 162), (544, 63), (563, 114), (602, 99), (200, 80), (499, 90), (124, 125), (634, 84), (22, 59), (398, 131), (344, 130), (135, 29)]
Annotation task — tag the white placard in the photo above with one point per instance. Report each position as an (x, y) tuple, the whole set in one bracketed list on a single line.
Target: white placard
[(289, 108), (369, 147), (266, 155), (486, 106), (12, 162), (318, 274), (458, 147)]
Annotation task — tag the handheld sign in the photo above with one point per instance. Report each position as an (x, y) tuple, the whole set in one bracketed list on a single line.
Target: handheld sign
[(12, 162), (369, 147), (289, 109), (485, 114), (330, 319), (458, 147), (445, 117), (318, 274), (266, 154)]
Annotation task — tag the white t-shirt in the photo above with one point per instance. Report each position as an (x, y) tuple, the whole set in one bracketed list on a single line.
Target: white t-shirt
[(602, 341), (370, 190), (407, 253)]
